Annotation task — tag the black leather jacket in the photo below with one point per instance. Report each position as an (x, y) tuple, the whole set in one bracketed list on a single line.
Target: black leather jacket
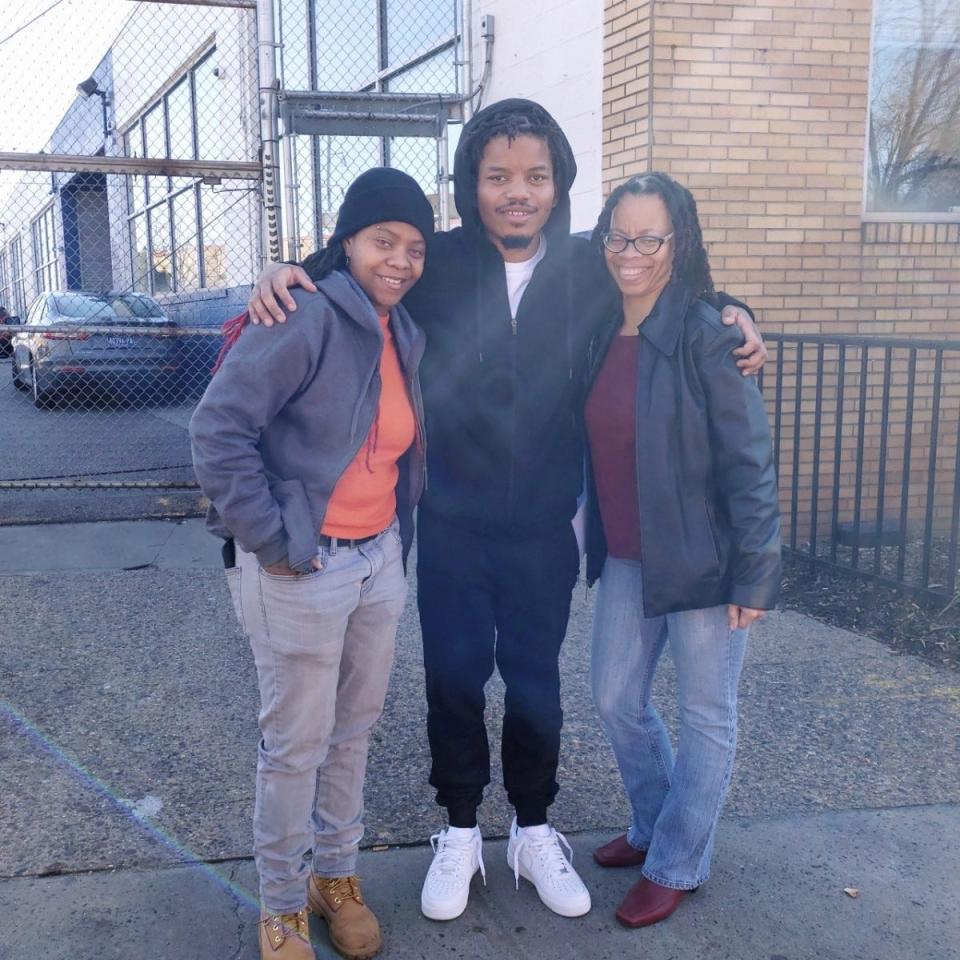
[(709, 515)]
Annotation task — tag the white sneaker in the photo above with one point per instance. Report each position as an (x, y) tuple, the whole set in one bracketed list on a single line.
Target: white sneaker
[(457, 856), (534, 853)]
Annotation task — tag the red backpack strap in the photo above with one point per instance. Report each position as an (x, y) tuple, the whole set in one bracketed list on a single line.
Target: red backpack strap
[(231, 331)]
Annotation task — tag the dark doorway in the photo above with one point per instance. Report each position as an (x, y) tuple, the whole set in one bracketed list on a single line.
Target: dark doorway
[(86, 233)]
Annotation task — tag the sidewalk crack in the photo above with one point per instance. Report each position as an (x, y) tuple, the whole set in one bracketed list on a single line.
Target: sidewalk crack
[(237, 906)]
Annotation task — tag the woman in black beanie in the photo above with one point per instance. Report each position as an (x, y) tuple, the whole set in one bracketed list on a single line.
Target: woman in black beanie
[(308, 444)]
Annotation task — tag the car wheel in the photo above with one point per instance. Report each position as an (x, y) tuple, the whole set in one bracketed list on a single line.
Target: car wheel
[(41, 398)]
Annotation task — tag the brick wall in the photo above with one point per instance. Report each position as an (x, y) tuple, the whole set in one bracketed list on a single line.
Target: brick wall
[(760, 107)]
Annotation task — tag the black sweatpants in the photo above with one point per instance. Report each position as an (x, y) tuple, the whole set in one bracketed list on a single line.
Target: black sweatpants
[(484, 601)]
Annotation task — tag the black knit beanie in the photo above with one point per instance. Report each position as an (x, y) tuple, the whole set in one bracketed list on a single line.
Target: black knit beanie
[(380, 195)]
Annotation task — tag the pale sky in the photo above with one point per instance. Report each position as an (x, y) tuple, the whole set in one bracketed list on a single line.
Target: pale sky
[(43, 64)]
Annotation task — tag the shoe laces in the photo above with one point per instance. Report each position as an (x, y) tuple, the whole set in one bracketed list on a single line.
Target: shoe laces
[(284, 925), (342, 888), (449, 854), (546, 850)]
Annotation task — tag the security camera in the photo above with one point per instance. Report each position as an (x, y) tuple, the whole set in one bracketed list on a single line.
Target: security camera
[(88, 87)]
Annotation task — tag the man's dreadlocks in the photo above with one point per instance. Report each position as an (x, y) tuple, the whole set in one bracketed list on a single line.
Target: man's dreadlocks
[(513, 124)]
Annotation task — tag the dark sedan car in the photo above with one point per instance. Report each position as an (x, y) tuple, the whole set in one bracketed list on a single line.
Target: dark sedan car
[(78, 344), (8, 327)]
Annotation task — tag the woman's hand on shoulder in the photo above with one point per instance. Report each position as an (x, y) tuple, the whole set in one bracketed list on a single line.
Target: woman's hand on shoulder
[(273, 289), (753, 354), (739, 618)]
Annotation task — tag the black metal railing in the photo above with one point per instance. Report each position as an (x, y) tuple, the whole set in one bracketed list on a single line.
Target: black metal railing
[(866, 434)]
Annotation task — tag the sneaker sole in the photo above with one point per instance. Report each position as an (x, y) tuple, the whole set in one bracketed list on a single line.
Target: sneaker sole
[(561, 909), (447, 911)]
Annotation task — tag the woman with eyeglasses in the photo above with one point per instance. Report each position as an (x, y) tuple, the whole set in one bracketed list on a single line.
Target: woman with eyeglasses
[(682, 532)]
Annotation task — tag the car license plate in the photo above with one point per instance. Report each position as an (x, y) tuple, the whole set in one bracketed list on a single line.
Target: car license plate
[(119, 341)]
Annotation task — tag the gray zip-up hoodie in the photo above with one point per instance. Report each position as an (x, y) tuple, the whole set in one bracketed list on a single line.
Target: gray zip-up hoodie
[(287, 413)]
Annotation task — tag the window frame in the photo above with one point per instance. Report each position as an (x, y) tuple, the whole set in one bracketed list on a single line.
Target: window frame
[(46, 253), (888, 216), (153, 199), (6, 287), (17, 279)]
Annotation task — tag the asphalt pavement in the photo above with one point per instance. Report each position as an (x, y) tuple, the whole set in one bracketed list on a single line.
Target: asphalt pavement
[(127, 751), (79, 442)]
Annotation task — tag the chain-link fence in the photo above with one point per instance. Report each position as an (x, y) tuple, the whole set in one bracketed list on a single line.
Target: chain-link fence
[(379, 91), (156, 155)]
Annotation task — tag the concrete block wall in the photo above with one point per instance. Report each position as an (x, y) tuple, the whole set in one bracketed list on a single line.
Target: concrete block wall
[(551, 51)]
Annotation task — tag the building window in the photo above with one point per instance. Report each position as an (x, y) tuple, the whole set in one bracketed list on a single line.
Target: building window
[(413, 30), (18, 298), (6, 290), (45, 260), (913, 152), (168, 251)]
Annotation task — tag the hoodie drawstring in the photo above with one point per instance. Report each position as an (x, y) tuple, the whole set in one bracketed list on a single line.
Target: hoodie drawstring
[(372, 438)]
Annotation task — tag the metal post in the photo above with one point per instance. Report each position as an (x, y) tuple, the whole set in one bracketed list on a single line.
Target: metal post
[(291, 218), (466, 46), (267, 68), (443, 178)]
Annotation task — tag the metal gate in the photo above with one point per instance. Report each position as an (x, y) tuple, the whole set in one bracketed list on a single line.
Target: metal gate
[(156, 155)]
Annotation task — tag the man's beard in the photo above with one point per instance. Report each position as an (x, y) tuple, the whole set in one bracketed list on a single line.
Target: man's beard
[(514, 242)]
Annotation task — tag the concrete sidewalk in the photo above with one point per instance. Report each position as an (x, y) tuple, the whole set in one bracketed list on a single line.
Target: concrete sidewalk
[(777, 891), (127, 744)]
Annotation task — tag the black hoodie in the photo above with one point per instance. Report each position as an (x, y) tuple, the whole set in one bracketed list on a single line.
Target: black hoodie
[(503, 408)]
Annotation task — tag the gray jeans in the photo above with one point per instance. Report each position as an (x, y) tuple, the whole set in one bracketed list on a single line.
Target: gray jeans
[(323, 644)]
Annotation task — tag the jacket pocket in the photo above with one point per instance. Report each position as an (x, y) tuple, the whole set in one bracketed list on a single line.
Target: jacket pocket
[(699, 547), (297, 518)]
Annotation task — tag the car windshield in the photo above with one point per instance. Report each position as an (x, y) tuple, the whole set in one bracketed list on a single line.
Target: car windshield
[(84, 306)]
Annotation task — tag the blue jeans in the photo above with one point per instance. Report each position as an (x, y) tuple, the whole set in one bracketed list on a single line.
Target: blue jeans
[(323, 645), (675, 802)]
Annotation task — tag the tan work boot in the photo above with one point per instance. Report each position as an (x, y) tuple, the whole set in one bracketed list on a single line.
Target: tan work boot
[(354, 930), (285, 936)]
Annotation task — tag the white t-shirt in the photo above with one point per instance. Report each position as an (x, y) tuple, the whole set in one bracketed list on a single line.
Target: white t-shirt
[(519, 274)]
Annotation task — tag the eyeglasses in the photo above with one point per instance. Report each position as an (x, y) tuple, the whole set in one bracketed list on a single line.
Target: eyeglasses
[(617, 243)]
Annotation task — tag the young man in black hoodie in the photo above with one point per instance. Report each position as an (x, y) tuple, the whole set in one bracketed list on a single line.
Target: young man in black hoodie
[(509, 307)]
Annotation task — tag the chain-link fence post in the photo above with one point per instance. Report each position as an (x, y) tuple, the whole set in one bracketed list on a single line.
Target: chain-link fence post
[(269, 128)]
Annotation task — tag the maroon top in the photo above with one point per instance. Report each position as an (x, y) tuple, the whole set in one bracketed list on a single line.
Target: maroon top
[(612, 434)]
